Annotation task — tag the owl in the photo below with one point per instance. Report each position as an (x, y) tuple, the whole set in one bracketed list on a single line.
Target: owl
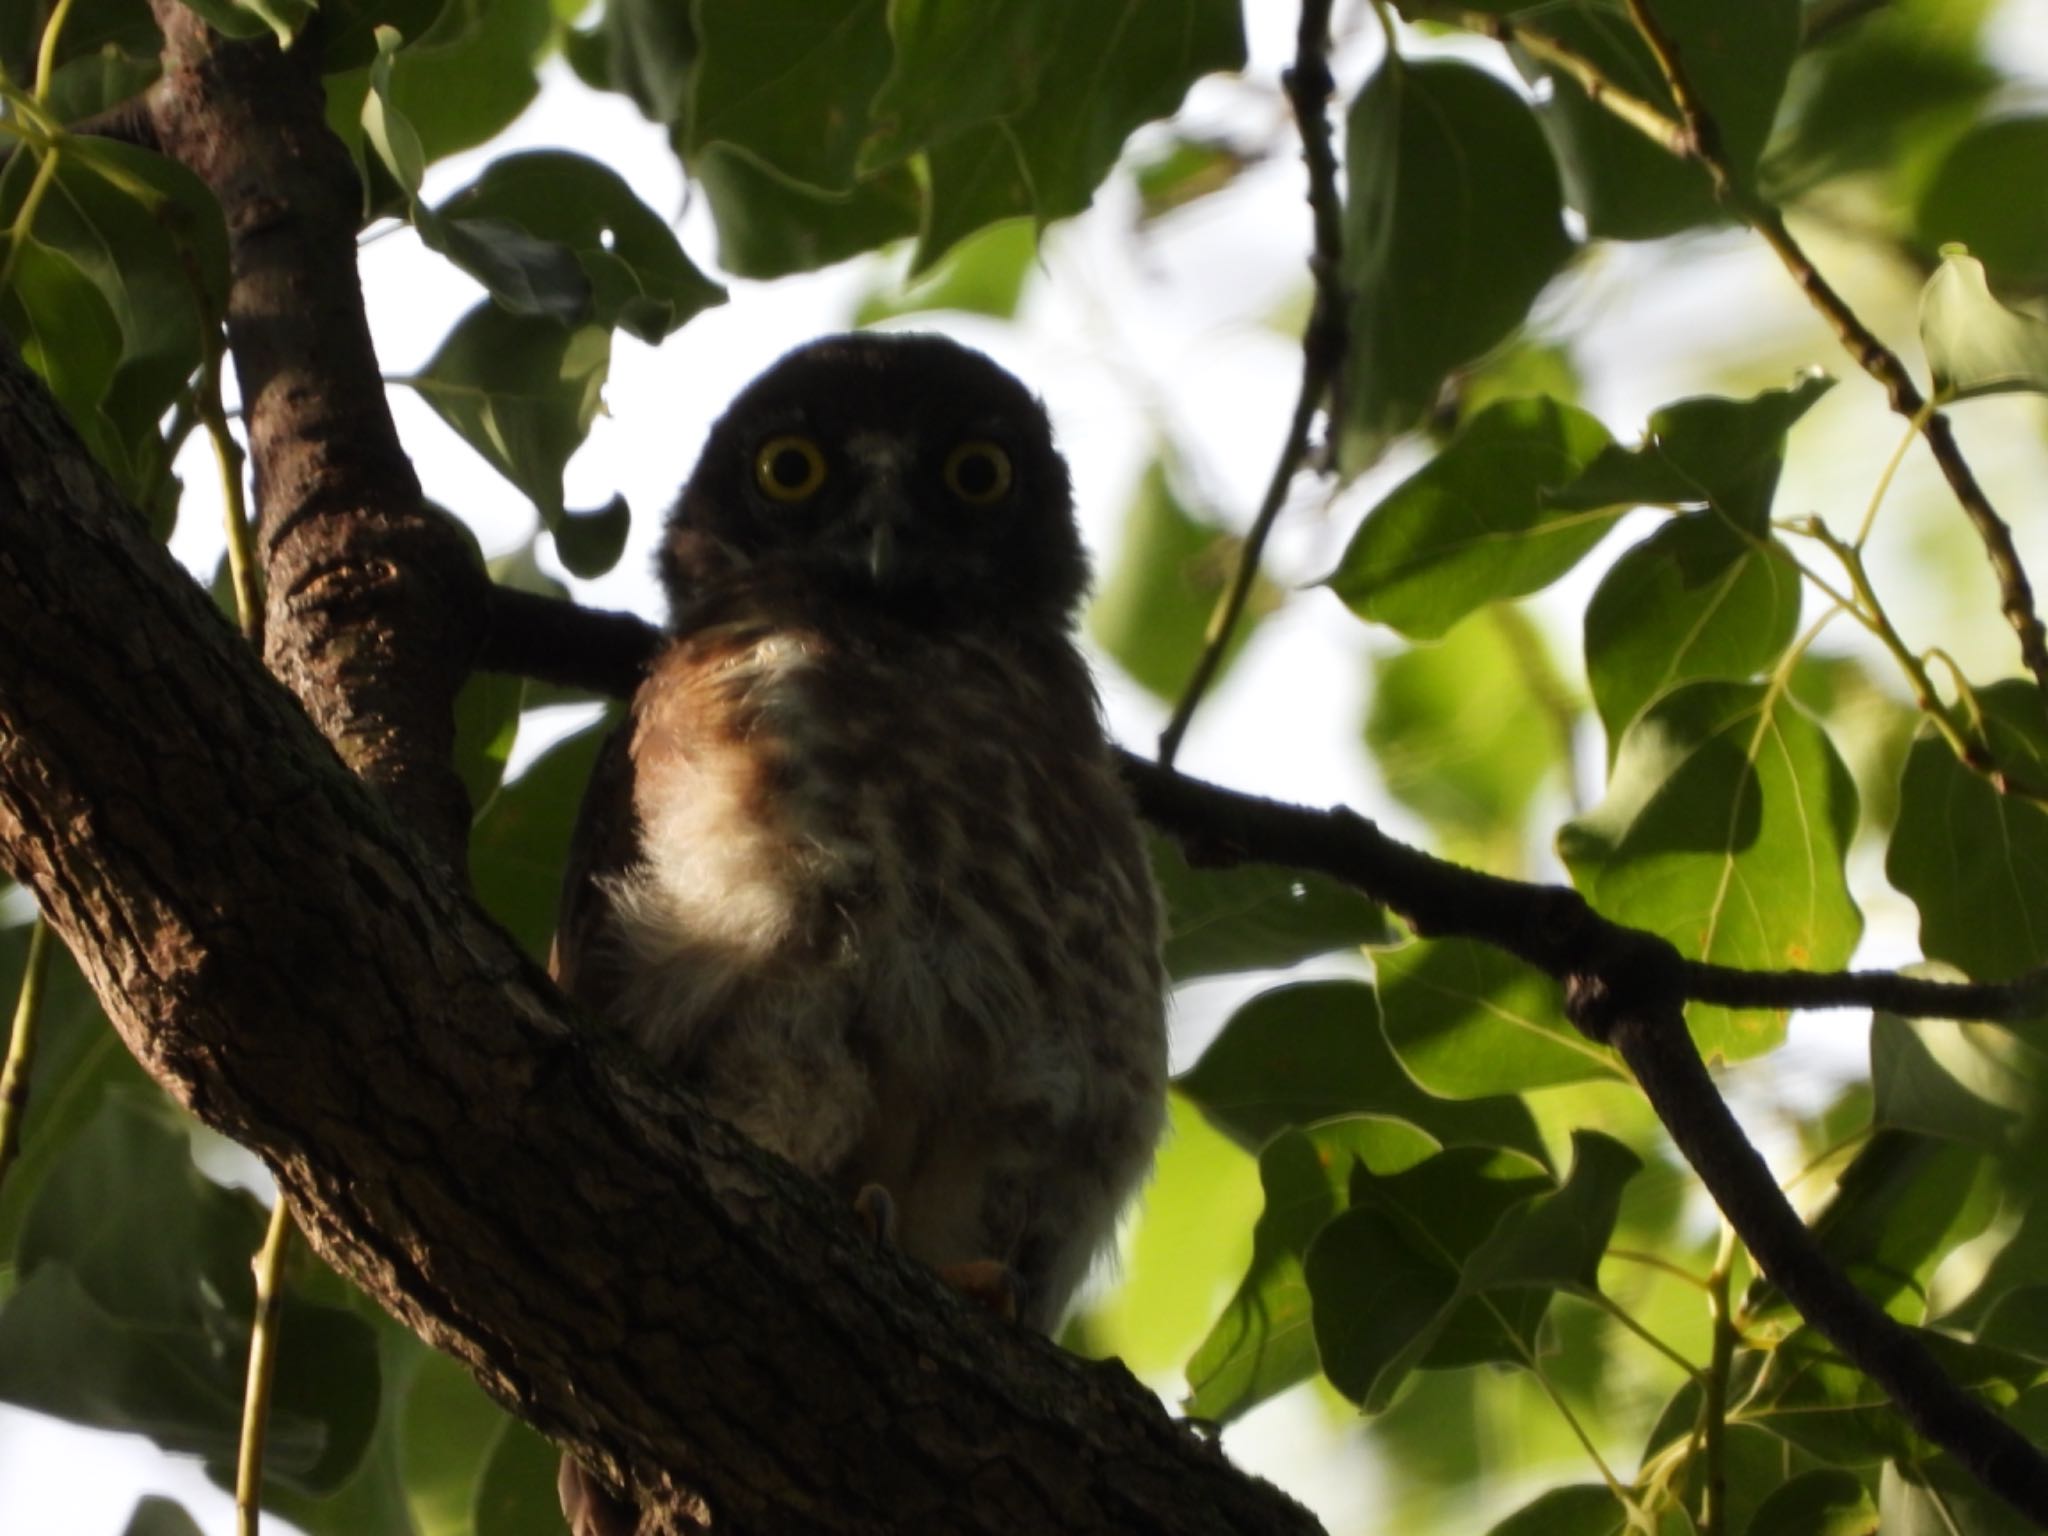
[(858, 868)]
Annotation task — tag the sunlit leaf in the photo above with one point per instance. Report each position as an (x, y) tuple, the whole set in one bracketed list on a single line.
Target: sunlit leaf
[(1975, 345), (1302, 1054), (1153, 610), (1452, 226), (1474, 525), (1703, 451), (1975, 862), (1467, 1020), (982, 275), (1725, 828), (516, 1496), (1697, 599), (1464, 733)]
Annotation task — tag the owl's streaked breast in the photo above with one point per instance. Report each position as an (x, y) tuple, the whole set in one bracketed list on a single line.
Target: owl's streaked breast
[(892, 917)]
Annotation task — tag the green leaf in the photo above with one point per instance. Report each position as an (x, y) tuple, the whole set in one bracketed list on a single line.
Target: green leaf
[(386, 128), (1153, 610), (521, 841), (135, 1302), (521, 391), (1556, 1240), (1474, 525), (79, 1061), (982, 275), (158, 1516), (769, 228), (1467, 1020), (446, 1431), (1820, 1503), (1452, 225), (486, 725), (64, 329), (1583, 1509), (1186, 171), (1462, 733), (787, 83), (1975, 862), (1264, 1341), (148, 235), (1698, 599), (1971, 198), (634, 273), (1302, 1054), (591, 542), (1103, 70), (1720, 453), (1255, 917), (516, 1496), (645, 49), (1386, 1282), (1975, 345), (1727, 820), (252, 18), (958, 66), (1737, 57)]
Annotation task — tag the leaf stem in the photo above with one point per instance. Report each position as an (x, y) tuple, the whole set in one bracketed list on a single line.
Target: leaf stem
[(1642, 115), (269, 1268), (1323, 344), (1878, 493), (25, 216), (46, 52), (21, 1044), (1714, 1391)]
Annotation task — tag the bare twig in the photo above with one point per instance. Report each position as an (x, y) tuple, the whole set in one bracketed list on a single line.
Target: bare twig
[(1323, 342), (1703, 146)]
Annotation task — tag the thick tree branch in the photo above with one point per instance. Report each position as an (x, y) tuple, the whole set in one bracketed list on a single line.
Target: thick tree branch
[(374, 603), (682, 1309)]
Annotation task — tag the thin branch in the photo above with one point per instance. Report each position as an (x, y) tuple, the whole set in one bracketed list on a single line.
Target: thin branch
[(269, 1268), (1653, 1040), (1703, 146), (21, 1045), (1644, 116), (1323, 343)]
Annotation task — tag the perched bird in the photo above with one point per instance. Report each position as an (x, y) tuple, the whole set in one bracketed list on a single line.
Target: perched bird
[(858, 867)]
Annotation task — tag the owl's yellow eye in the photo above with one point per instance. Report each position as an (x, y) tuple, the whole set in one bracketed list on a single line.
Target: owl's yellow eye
[(789, 468), (978, 472)]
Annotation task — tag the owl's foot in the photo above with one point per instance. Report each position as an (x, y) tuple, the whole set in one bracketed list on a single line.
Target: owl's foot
[(589, 1506), (989, 1283)]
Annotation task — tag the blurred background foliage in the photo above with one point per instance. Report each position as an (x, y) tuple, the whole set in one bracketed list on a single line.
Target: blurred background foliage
[(1407, 1219)]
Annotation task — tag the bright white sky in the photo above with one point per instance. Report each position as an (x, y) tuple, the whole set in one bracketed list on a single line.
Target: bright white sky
[(1116, 335)]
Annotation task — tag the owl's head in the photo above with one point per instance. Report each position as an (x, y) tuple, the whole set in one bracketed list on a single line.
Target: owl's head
[(905, 470)]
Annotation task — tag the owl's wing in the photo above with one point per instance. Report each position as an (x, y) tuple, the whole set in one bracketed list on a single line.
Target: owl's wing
[(605, 842)]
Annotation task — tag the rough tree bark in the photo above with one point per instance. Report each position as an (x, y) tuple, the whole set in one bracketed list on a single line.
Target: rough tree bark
[(674, 1304)]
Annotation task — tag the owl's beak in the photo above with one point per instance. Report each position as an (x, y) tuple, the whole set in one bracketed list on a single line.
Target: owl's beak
[(882, 551)]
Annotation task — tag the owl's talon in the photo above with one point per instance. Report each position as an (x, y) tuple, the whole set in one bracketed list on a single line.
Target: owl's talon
[(876, 1208), (989, 1283)]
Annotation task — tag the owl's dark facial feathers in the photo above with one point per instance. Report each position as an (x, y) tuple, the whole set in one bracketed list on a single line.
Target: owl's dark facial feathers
[(902, 470)]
